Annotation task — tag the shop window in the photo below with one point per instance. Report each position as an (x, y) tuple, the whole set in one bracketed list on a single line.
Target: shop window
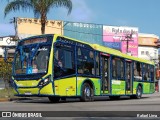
[(142, 52)]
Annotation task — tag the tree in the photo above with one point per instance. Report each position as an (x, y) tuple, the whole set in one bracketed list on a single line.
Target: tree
[(40, 8)]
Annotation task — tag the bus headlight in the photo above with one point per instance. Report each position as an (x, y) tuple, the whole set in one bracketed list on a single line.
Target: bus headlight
[(45, 81)]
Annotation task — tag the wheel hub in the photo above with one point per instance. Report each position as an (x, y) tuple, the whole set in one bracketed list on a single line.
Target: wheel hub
[(87, 92)]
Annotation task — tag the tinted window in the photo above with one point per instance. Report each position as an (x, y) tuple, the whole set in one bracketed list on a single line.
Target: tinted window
[(64, 64), (85, 61), (117, 68), (137, 71)]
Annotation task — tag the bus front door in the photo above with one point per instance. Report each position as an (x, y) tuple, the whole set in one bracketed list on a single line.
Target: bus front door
[(105, 64), (129, 81)]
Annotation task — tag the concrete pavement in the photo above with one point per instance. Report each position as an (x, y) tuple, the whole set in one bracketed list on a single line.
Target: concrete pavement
[(156, 94)]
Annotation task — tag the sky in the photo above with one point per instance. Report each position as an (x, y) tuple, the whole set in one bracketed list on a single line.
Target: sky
[(144, 14)]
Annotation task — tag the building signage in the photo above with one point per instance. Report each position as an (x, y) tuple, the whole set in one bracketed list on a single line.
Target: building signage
[(118, 34), (114, 45)]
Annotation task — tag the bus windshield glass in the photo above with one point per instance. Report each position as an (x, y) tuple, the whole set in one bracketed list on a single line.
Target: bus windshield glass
[(32, 57)]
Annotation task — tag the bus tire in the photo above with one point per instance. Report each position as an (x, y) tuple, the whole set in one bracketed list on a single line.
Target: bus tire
[(87, 93), (54, 99), (138, 93)]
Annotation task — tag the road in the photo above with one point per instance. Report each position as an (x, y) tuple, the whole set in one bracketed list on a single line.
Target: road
[(148, 103)]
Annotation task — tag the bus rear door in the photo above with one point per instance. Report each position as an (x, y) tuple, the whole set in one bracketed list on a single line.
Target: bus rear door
[(129, 81), (105, 74)]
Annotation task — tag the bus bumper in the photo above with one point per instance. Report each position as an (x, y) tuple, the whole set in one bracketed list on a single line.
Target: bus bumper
[(36, 91)]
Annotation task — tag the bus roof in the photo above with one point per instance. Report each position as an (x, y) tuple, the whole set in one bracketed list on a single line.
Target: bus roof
[(118, 53), (111, 51)]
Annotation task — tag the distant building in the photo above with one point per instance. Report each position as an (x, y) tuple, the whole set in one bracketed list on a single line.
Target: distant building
[(6, 41), (147, 47), (27, 27)]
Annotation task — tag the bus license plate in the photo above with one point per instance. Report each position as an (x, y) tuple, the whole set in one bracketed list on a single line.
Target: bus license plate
[(28, 93)]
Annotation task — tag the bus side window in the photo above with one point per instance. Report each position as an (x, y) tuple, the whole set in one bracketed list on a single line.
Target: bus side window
[(85, 61), (145, 72), (148, 73), (97, 64), (79, 61), (89, 62), (117, 68), (63, 62), (137, 71), (114, 68), (152, 73)]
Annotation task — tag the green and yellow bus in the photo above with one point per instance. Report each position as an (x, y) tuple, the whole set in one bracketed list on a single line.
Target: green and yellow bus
[(59, 67)]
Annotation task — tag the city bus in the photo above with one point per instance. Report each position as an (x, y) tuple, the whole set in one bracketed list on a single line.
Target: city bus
[(60, 67)]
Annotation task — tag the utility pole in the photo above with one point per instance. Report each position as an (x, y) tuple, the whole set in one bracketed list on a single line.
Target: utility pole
[(127, 39)]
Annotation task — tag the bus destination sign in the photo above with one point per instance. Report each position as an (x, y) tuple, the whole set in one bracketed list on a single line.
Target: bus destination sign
[(34, 40)]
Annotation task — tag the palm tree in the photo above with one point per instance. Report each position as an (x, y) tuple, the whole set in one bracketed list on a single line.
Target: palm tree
[(40, 8)]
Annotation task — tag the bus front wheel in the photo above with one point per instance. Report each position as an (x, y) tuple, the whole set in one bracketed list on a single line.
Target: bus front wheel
[(53, 99), (87, 93)]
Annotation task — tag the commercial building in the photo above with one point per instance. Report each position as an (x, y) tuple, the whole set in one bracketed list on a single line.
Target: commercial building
[(148, 49), (6, 41), (27, 27)]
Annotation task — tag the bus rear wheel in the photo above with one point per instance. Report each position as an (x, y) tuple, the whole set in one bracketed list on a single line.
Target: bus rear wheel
[(138, 93), (87, 93), (53, 99)]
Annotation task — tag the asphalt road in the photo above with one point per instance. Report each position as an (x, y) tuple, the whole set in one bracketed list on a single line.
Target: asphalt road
[(148, 106)]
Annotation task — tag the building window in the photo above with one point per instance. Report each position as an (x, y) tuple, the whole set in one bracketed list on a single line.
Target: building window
[(142, 52), (147, 52)]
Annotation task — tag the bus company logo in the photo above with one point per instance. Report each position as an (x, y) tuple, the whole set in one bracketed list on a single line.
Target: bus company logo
[(107, 29), (6, 114)]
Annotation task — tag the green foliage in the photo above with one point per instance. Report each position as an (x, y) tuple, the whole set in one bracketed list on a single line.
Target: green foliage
[(6, 93), (5, 69)]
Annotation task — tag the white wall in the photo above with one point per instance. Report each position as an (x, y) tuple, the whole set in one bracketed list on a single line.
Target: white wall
[(6, 41), (149, 53)]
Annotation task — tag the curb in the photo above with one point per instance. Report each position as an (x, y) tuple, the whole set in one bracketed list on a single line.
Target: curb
[(12, 99), (4, 99)]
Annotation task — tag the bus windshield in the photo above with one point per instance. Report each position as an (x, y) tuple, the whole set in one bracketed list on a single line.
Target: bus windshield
[(31, 59)]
